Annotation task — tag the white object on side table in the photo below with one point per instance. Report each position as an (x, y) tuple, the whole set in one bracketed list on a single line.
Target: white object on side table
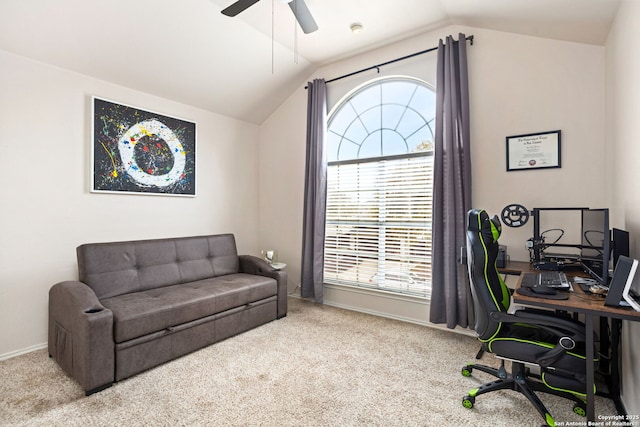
[(278, 265)]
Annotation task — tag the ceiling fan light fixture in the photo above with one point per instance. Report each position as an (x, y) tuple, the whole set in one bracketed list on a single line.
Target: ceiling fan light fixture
[(356, 28)]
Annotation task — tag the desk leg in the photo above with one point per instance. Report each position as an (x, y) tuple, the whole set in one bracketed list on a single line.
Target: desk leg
[(614, 381), (590, 368), (606, 339)]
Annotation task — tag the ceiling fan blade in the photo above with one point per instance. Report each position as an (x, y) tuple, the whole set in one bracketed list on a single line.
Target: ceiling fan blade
[(303, 16), (238, 7)]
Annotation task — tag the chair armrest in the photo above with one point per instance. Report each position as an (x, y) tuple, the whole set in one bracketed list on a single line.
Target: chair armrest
[(253, 265), (569, 332), (557, 325), (80, 335), (554, 322)]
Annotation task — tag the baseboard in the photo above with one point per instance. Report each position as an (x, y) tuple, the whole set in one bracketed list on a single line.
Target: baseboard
[(20, 352), (464, 331), (401, 318), (375, 313)]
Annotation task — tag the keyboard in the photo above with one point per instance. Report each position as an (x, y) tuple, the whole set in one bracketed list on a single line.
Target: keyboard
[(551, 279)]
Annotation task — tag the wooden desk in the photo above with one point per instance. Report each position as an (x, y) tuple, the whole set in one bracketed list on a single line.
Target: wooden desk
[(591, 306)]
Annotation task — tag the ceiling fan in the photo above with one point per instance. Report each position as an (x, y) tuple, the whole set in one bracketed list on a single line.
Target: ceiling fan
[(298, 7)]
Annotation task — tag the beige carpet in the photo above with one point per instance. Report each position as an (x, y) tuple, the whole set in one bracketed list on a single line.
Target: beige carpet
[(319, 366)]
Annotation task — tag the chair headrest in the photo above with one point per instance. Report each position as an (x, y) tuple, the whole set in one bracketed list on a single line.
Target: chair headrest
[(479, 222)]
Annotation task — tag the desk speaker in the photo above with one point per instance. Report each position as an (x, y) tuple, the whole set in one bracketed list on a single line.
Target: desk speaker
[(501, 261)]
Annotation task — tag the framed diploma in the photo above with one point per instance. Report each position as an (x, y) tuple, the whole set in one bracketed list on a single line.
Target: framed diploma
[(533, 151)]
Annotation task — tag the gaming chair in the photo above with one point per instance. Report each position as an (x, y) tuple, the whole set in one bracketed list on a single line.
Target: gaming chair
[(546, 349)]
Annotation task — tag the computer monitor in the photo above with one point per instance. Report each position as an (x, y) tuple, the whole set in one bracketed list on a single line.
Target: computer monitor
[(619, 244), (595, 247), (556, 234)]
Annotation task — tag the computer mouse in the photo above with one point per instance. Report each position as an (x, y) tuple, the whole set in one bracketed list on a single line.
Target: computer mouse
[(543, 290)]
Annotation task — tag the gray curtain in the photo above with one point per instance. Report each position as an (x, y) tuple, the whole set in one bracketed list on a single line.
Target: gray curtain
[(450, 298), (315, 193)]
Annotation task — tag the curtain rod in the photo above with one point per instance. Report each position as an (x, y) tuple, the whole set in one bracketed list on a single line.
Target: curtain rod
[(377, 67)]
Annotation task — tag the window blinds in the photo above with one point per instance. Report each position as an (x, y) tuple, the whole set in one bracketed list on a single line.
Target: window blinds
[(378, 223)]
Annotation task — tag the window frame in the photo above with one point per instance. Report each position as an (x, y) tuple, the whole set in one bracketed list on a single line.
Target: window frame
[(428, 122)]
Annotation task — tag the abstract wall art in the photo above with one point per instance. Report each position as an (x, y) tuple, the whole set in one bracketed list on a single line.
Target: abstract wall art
[(138, 151)]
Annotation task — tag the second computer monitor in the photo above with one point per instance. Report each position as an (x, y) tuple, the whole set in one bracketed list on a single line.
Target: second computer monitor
[(596, 239)]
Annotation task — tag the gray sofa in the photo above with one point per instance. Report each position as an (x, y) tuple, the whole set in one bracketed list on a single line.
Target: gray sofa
[(141, 303)]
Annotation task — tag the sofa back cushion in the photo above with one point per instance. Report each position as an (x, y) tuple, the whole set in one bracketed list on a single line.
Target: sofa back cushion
[(117, 268)]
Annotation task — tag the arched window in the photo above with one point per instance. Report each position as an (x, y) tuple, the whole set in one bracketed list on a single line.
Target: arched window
[(379, 187)]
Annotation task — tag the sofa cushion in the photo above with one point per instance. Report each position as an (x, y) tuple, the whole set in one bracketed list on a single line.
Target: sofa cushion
[(141, 313), (117, 268)]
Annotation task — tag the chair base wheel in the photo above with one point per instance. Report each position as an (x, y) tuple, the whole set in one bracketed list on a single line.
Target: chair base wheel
[(466, 371), (580, 410), (468, 401)]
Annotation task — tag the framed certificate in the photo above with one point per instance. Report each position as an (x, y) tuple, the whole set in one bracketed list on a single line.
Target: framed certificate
[(533, 151)]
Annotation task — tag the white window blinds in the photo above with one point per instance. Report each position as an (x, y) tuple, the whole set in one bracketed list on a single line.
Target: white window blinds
[(378, 224)]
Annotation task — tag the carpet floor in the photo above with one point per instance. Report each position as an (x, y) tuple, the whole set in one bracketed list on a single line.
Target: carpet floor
[(319, 366)]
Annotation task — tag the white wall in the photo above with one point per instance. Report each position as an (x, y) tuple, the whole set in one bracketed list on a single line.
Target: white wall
[(47, 209), (522, 85), (518, 85), (623, 101), (282, 157)]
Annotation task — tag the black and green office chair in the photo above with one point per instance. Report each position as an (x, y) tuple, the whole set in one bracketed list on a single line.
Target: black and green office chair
[(546, 349)]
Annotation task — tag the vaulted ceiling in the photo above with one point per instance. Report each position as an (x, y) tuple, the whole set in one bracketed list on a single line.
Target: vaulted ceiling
[(245, 66)]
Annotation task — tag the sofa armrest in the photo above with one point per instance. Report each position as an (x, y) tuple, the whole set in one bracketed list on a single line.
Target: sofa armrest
[(81, 335), (253, 265)]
